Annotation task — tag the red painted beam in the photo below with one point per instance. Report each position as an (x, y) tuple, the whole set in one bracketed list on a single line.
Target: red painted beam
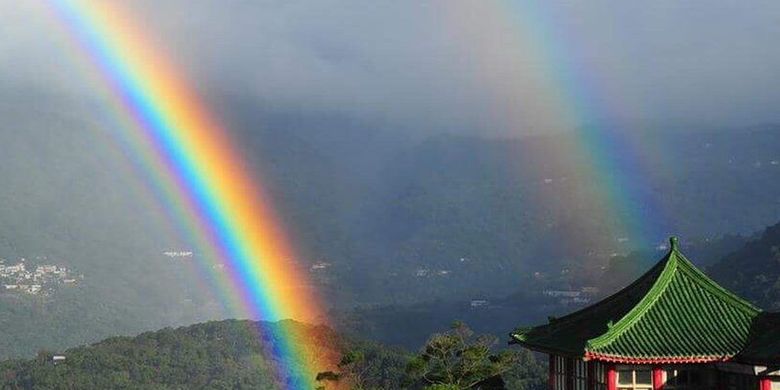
[(765, 384)]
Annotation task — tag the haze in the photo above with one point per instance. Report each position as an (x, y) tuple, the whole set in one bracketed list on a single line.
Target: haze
[(442, 65)]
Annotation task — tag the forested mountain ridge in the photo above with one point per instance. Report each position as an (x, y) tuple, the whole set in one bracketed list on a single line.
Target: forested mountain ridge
[(213, 355), (70, 195), (532, 303), (753, 271), (229, 354)]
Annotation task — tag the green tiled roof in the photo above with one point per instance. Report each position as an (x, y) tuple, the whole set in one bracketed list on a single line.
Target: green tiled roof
[(672, 313)]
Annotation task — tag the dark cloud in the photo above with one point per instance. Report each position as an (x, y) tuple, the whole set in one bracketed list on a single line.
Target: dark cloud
[(412, 61)]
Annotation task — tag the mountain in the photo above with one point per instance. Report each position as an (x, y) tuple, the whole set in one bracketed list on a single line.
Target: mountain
[(532, 302), (752, 271), (624, 269), (71, 197), (213, 355), (459, 217), (227, 354), (391, 216)]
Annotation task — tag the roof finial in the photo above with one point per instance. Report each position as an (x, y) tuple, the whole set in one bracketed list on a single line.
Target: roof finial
[(673, 242)]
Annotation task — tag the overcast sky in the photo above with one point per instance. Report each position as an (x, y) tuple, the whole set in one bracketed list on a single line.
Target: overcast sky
[(505, 66)]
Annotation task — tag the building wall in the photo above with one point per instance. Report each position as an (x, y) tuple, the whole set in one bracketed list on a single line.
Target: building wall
[(576, 374)]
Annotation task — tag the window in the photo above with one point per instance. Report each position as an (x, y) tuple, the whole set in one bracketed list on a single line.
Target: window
[(689, 379), (559, 373), (580, 373), (569, 374), (635, 378), (599, 376)]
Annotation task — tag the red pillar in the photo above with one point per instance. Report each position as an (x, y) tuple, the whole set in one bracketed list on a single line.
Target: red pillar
[(658, 378), (551, 373), (765, 384), (611, 377)]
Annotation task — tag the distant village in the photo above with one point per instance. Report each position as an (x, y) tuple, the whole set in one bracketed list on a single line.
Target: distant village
[(41, 279), (565, 295)]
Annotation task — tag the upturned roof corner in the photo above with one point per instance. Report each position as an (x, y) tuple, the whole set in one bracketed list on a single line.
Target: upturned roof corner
[(672, 313)]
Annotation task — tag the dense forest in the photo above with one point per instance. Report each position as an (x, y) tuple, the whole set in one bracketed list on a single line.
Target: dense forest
[(235, 354), (213, 355)]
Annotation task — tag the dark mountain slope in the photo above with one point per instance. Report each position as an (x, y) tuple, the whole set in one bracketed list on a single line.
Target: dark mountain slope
[(214, 355), (228, 354), (754, 270)]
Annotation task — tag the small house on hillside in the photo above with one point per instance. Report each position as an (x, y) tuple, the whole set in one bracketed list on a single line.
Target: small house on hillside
[(673, 328)]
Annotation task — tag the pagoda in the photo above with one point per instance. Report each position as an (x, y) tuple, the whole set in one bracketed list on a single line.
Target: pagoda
[(673, 328)]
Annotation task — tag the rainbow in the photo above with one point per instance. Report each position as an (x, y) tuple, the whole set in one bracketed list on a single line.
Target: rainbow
[(206, 185), (199, 173), (571, 97)]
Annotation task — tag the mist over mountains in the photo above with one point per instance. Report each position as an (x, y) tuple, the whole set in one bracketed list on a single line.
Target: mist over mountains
[(384, 215), (449, 215)]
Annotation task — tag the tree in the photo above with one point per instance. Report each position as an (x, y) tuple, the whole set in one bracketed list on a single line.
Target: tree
[(368, 366), (458, 359), (353, 366)]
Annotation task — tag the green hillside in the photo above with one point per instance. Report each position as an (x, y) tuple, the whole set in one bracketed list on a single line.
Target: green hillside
[(229, 354), (214, 355)]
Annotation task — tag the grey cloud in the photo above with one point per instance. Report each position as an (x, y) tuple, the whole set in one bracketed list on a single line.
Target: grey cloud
[(666, 61)]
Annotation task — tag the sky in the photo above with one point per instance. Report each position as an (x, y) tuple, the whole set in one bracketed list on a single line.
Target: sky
[(481, 66)]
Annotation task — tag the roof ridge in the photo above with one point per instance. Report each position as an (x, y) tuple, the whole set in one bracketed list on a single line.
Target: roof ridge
[(672, 313), (710, 285), (651, 296), (673, 262)]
